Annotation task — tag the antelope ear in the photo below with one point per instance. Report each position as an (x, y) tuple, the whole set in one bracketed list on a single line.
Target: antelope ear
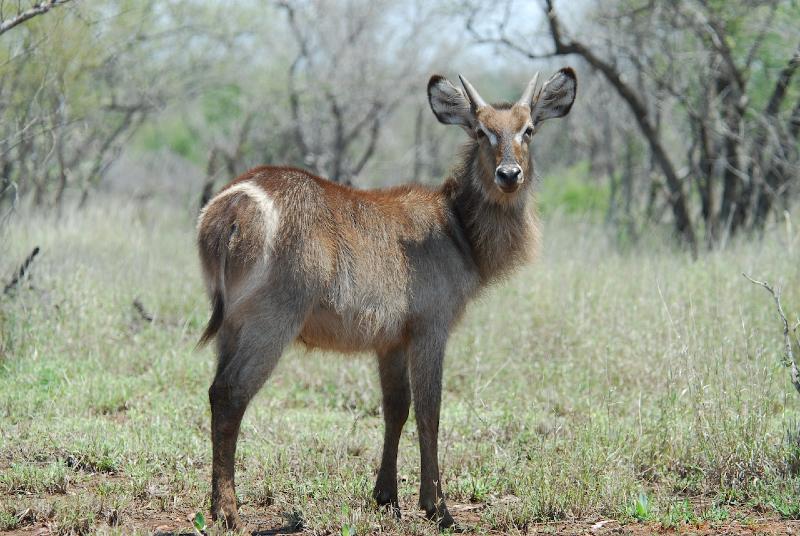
[(556, 97), (450, 105)]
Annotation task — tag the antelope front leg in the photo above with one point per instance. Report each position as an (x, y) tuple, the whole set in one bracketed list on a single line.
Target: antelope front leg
[(393, 368), (427, 360)]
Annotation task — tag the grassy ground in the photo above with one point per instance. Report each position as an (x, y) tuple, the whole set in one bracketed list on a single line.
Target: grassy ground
[(637, 386)]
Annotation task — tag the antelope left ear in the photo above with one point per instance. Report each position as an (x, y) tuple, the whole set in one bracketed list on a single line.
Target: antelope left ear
[(556, 97)]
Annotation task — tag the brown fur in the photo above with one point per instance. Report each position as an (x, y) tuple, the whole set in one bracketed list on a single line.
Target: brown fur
[(291, 257)]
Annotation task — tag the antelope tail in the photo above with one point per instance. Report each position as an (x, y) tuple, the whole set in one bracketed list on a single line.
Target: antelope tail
[(217, 299)]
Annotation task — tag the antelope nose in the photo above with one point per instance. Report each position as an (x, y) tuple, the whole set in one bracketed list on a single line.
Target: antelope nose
[(508, 176)]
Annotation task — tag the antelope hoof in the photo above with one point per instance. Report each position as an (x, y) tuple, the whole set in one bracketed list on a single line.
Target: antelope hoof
[(447, 522), (228, 517), (387, 500), (442, 518)]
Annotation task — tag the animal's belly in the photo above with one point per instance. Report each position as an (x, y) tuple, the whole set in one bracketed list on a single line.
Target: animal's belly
[(350, 330)]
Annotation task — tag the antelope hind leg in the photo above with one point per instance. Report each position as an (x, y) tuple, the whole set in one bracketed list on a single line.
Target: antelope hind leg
[(247, 356)]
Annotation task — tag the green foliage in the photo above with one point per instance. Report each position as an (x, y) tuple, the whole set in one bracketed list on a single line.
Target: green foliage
[(573, 191), (174, 134), (347, 529), (742, 24), (716, 514), (222, 105), (72, 92), (220, 109)]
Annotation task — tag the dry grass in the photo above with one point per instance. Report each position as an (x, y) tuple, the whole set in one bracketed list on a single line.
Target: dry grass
[(597, 380)]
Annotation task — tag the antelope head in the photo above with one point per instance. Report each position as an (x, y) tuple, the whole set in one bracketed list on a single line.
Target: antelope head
[(503, 132)]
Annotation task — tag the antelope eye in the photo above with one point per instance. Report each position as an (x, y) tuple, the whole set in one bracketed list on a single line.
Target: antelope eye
[(528, 132), (479, 133)]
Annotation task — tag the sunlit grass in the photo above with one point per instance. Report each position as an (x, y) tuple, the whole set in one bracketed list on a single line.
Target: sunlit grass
[(588, 381)]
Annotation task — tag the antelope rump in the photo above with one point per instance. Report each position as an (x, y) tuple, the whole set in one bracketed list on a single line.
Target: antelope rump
[(291, 257)]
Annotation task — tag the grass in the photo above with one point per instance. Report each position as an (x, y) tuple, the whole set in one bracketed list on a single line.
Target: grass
[(634, 385)]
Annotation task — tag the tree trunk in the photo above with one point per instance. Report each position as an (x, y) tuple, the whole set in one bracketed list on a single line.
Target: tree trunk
[(677, 197)]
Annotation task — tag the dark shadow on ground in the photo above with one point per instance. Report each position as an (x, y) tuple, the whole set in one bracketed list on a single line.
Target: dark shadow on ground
[(286, 529)]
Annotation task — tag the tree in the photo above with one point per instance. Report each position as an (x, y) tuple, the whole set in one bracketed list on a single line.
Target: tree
[(349, 75), (709, 65), (76, 86)]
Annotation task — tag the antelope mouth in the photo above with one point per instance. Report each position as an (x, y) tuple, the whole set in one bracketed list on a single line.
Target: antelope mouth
[(509, 187)]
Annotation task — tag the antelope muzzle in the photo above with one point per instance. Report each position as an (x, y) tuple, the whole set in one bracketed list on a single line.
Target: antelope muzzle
[(508, 178)]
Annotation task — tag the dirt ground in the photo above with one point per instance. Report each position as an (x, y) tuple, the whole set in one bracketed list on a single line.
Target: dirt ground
[(269, 521)]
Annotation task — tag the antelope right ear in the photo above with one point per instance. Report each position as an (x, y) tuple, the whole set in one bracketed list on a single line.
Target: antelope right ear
[(556, 96), (450, 105)]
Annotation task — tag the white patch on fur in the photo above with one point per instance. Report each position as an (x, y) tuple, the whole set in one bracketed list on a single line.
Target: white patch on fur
[(519, 136), (271, 220), (489, 134), (265, 205)]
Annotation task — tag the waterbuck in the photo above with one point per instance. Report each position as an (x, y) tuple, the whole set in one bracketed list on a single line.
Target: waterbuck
[(291, 257)]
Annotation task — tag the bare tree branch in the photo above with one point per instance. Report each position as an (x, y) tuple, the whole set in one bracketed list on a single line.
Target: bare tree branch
[(34, 11), (294, 96), (787, 338), (762, 34), (340, 94), (711, 27), (782, 84)]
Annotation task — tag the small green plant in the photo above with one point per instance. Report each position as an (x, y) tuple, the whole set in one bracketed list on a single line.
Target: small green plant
[(678, 513), (347, 528), (8, 519), (474, 488), (716, 514), (77, 515), (787, 508), (199, 523), (641, 507), (22, 478)]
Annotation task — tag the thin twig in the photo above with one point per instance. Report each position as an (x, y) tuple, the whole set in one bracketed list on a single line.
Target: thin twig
[(23, 269), (787, 337)]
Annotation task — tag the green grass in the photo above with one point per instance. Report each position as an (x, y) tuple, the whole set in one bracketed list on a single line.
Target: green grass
[(587, 381)]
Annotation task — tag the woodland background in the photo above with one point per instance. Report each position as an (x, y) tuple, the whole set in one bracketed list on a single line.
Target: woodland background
[(629, 380), (688, 116)]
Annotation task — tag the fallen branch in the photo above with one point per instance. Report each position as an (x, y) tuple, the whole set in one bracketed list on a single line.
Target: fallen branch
[(139, 306), (23, 269), (787, 332)]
